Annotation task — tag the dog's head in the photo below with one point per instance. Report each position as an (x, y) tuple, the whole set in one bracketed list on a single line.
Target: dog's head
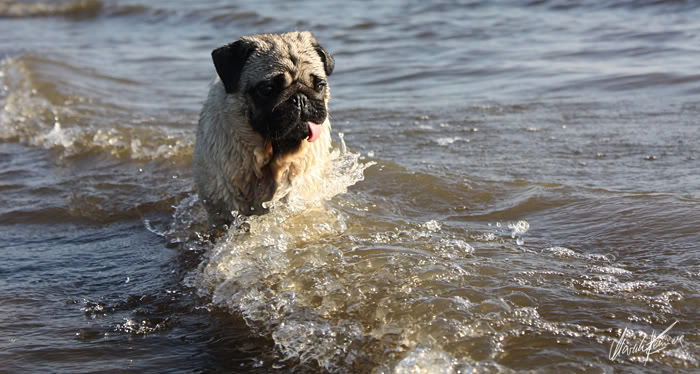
[(283, 79)]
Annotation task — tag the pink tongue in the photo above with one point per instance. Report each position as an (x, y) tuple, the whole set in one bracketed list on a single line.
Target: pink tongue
[(315, 130)]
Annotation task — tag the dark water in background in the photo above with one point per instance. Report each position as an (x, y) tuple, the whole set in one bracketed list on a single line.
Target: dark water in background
[(535, 190)]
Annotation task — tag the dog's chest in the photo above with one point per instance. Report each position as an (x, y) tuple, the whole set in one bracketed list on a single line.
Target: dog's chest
[(301, 173)]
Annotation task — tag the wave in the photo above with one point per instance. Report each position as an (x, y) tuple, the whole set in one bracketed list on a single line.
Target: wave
[(91, 9), (118, 162), (660, 5), (231, 14), (65, 108), (75, 9), (26, 9)]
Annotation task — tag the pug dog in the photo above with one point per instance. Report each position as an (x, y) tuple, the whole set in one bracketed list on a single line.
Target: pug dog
[(264, 130)]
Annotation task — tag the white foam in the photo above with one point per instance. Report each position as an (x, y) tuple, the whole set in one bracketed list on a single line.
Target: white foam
[(569, 253), (426, 361), (443, 141)]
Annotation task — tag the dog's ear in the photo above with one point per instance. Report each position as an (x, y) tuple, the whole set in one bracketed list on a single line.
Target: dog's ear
[(229, 61), (327, 58)]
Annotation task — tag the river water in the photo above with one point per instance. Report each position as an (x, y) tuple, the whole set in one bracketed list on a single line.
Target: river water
[(517, 183)]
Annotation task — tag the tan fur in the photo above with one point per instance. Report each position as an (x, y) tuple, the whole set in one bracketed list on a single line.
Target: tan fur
[(234, 168)]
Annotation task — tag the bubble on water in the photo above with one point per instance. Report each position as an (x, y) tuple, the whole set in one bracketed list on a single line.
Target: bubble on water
[(432, 226), (613, 286), (519, 227), (141, 327), (486, 237), (608, 270), (599, 257), (459, 245)]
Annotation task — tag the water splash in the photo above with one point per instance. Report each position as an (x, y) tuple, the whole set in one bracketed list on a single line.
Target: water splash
[(264, 272), (189, 219)]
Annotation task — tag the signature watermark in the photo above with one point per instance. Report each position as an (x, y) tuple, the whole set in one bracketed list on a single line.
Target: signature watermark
[(655, 344)]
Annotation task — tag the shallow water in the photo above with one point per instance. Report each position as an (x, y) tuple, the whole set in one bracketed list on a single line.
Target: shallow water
[(520, 185)]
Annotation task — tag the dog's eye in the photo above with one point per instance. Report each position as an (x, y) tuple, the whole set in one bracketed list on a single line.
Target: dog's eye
[(265, 90), (320, 85)]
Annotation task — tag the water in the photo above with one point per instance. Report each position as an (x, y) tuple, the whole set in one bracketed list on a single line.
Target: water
[(520, 185)]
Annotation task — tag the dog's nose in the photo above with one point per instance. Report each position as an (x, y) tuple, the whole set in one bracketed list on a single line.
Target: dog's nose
[(300, 100)]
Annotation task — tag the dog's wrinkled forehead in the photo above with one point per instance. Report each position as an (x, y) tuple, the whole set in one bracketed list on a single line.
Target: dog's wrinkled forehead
[(296, 55), (292, 54)]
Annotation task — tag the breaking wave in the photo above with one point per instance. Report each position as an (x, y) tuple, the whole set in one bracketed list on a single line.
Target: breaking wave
[(46, 104), (22, 9)]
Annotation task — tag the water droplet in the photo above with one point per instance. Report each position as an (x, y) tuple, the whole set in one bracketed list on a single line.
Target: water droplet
[(519, 227), (277, 365)]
